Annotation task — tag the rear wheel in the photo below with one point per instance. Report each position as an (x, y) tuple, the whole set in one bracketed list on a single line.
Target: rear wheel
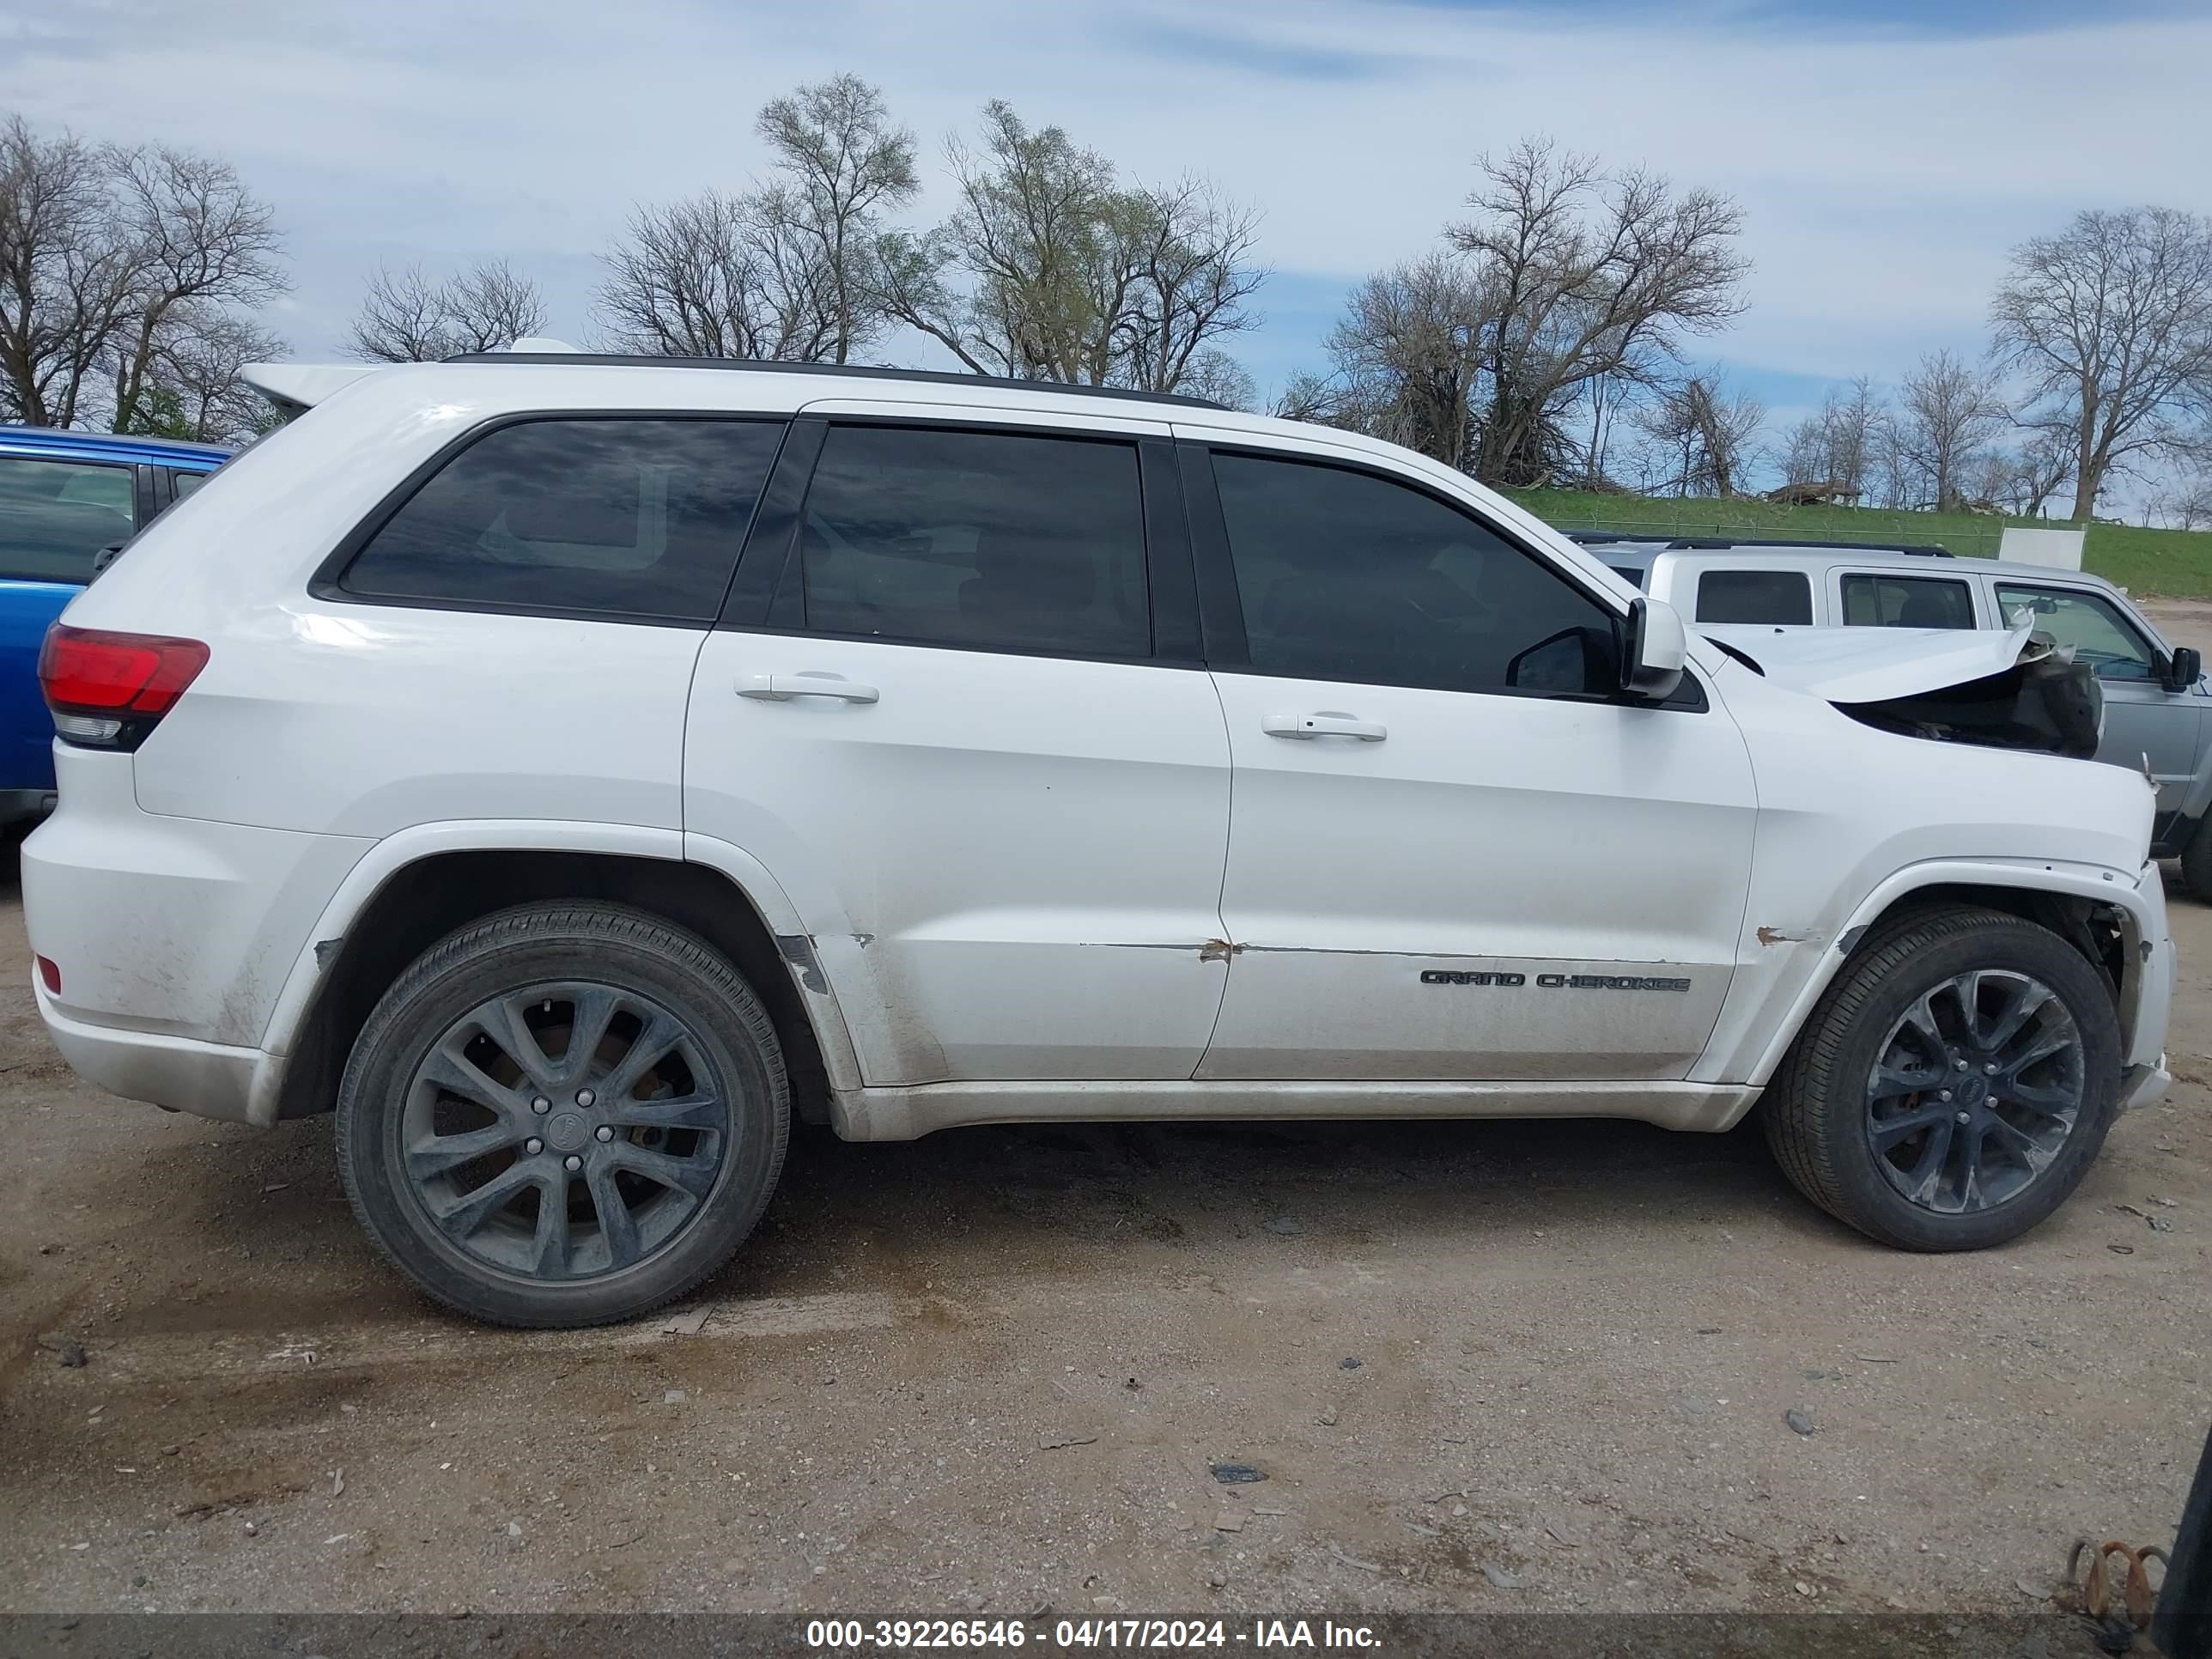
[(563, 1114), (1953, 1085)]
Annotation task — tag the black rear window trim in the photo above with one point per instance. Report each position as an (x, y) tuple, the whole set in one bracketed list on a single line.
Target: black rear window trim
[(327, 584)]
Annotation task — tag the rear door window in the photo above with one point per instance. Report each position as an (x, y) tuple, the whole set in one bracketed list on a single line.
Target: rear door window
[(1873, 600), (2090, 622), (620, 518), (1784, 597), (992, 541), (56, 516)]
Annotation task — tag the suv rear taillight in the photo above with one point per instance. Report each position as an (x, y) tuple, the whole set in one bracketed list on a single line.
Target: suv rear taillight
[(109, 690)]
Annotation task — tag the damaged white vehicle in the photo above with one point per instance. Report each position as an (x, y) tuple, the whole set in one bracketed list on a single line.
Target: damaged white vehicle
[(568, 769)]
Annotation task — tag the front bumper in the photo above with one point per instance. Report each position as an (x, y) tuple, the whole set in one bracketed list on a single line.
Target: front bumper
[(208, 1080)]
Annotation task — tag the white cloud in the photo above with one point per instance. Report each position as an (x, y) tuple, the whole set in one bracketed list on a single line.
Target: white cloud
[(1885, 178)]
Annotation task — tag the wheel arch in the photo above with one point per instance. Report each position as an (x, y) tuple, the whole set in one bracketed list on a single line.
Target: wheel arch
[(2102, 916), (403, 898)]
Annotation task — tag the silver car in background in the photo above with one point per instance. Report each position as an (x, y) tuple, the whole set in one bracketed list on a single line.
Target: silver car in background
[(2156, 699)]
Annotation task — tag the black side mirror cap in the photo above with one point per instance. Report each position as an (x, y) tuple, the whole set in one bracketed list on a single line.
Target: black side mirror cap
[(2184, 668)]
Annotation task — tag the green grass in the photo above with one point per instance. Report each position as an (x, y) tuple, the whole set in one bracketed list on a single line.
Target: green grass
[(2154, 563)]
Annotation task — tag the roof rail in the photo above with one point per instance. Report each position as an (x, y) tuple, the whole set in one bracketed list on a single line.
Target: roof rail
[(1722, 544), (851, 371)]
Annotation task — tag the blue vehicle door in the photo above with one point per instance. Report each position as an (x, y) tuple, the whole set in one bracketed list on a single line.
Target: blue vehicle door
[(55, 516)]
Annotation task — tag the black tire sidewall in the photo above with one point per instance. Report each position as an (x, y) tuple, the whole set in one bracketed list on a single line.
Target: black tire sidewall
[(508, 952), (1867, 1198)]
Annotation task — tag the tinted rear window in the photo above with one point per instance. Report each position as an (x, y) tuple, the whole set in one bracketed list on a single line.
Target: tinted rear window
[(985, 539), (1784, 597), (55, 515), (625, 518), (1871, 601)]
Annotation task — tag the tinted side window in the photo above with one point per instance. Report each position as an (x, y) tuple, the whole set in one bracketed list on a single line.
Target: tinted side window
[(1781, 597), (1906, 602), (628, 517), (2089, 622), (56, 516), (988, 539), (182, 483), (1343, 575)]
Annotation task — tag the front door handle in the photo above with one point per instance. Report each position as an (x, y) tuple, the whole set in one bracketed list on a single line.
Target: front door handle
[(1326, 725), (782, 688)]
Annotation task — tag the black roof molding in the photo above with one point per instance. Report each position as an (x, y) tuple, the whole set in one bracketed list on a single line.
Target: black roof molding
[(833, 371)]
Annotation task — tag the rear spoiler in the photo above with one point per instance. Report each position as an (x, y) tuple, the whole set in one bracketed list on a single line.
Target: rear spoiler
[(295, 388)]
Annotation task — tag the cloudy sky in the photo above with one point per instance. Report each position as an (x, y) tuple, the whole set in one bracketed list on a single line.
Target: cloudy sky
[(1888, 152)]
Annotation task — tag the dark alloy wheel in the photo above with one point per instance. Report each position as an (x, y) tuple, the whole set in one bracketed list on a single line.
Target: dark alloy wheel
[(1953, 1082), (563, 1114), (565, 1130), (1977, 1087)]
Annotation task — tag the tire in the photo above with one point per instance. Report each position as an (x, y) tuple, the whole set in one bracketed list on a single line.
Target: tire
[(464, 1120), (1846, 1134), (2196, 861)]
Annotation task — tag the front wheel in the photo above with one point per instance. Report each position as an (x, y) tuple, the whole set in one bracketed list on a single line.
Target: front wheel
[(1953, 1086), (563, 1114)]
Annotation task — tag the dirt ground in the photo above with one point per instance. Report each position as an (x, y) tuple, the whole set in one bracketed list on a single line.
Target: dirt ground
[(1504, 1367)]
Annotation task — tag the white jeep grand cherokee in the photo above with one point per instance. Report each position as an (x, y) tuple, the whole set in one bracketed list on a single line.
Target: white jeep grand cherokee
[(568, 768)]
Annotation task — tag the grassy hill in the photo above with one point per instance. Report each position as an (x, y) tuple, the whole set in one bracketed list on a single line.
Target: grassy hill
[(2165, 563)]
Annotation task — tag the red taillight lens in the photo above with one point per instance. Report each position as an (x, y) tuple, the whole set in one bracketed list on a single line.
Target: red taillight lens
[(50, 973), (87, 670)]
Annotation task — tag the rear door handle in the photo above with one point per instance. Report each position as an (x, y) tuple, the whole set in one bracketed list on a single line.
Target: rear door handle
[(1330, 725), (782, 688)]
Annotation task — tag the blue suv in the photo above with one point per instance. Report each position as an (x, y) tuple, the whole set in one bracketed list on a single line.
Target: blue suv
[(63, 496)]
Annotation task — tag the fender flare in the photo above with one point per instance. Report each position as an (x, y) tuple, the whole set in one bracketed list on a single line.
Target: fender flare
[(2096, 883), (402, 848)]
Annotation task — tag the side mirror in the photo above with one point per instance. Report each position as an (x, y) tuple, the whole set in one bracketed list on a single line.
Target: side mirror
[(2184, 668), (1653, 649)]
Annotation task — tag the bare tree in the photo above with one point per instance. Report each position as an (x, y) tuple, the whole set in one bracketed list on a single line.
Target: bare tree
[(1409, 352), (1218, 378), (204, 249), (1709, 432), (715, 276), (2110, 322), (1584, 275), (1049, 270), (405, 317), (840, 163), (109, 257), (1607, 399), (1945, 410), (1828, 455), (193, 386)]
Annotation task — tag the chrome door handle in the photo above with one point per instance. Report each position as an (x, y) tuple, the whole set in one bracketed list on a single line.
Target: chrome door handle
[(782, 688), (1323, 725)]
